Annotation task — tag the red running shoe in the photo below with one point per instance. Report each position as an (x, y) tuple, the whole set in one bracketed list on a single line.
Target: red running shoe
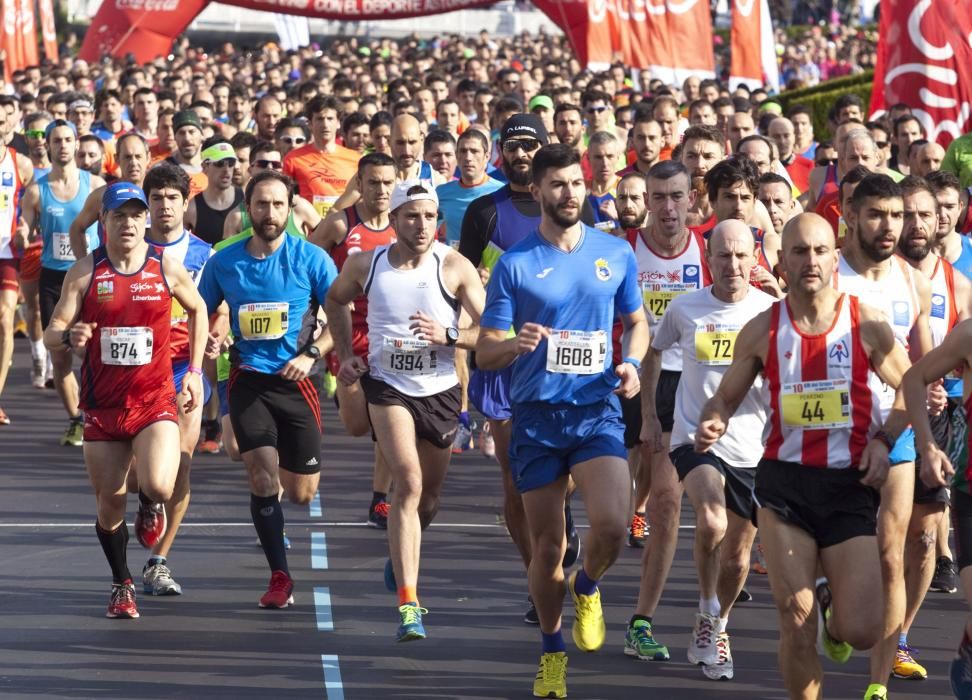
[(280, 594), (122, 602), (150, 523)]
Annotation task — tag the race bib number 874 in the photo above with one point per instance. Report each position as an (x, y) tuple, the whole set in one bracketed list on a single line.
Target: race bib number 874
[(126, 346)]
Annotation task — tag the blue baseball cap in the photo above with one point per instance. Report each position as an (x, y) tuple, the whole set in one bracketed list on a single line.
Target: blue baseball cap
[(60, 122), (117, 193)]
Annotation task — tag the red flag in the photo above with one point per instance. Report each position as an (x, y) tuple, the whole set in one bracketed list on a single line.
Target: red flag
[(925, 60), (126, 26), (48, 29), (19, 36), (753, 46)]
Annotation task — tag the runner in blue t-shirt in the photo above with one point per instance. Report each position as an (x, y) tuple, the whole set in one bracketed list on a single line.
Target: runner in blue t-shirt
[(273, 284), (560, 289), (472, 150)]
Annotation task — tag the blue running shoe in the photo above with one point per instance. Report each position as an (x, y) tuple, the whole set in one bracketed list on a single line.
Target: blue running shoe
[(390, 582), (411, 627)]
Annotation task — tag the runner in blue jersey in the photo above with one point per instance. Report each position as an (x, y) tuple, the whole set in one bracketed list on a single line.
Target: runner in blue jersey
[(167, 187), (566, 416), (273, 284), (50, 204), (472, 151), (952, 199)]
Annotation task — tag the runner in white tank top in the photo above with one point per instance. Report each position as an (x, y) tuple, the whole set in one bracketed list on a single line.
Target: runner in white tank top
[(704, 324), (820, 351), (415, 289)]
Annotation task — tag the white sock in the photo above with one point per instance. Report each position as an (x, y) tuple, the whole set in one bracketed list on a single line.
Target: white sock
[(709, 606), (723, 623), (37, 350)]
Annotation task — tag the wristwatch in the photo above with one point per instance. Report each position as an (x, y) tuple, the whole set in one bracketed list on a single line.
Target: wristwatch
[(452, 336), (313, 351)]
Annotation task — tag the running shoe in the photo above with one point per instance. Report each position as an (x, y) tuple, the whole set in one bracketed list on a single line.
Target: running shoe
[(960, 672), (702, 648), (463, 440), (280, 593), (209, 439), (638, 531), (722, 669), (837, 651), (531, 617), (946, 575), (150, 523), (37, 372), (378, 515), (640, 642), (905, 665), (122, 602), (572, 554), (876, 691), (411, 627), (551, 680), (390, 582), (589, 629), (486, 443), (759, 566), (74, 435), (744, 596), (157, 580), (4, 418)]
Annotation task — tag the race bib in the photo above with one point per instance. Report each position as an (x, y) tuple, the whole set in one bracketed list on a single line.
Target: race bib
[(127, 346), (657, 296), (409, 356), (822, 404), (576, 352), (323, 203), (62, 247), (265, 321), (179, 314), (714, 343)]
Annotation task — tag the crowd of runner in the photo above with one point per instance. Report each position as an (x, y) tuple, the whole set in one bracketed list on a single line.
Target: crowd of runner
[(645, 293)]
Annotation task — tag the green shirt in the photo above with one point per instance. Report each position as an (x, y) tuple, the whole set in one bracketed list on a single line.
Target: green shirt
[(958, 159)]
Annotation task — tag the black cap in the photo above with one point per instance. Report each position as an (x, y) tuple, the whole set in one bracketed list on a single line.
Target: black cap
[(524, 126), (185, 118)]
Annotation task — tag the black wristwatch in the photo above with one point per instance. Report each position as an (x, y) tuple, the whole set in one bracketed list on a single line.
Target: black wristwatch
[(313, 351), (66, 337), (452, 336)]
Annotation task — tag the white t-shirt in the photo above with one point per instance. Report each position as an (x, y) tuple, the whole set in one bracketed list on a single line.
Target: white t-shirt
[(705, 328)]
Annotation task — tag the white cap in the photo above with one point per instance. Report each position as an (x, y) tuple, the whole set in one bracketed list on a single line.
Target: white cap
[(400, 194)]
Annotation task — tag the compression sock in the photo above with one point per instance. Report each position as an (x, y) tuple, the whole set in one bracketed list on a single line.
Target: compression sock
[(553, 642), (377, 497), (268, 519), (584, 584), (115, 546)]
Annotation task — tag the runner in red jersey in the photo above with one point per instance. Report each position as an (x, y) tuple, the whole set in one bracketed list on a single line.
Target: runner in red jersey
[(115, 312), (360, 228)]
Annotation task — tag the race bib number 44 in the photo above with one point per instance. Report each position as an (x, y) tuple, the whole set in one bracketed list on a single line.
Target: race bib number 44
[(265, 321), (576, 352), (408, 356), (714, 343), (816, 405), (128, 346)]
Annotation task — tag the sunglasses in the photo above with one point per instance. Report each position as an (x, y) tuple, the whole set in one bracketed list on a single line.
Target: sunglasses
[(271, 164), (225, 163), (596, 110), (528, 145), (827, 161), (293, 140), (34, 133)]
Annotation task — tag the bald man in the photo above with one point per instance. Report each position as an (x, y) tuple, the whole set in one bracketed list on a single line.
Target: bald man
[(719, 483), (826, 454), (926, 159), (406, 149)]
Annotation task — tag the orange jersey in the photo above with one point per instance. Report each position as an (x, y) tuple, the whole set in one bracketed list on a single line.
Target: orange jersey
[(321, 177)]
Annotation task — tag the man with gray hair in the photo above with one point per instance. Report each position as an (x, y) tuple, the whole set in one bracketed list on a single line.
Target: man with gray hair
[(603, 151)]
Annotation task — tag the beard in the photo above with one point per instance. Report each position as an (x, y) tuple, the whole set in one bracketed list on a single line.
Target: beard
[(916, 252), (267, 230), (516, 177), (698, 184), (560, 218), (632, 221), (871, 250)]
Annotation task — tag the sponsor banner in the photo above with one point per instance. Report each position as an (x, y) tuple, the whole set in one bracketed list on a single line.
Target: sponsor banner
[(48, 29)]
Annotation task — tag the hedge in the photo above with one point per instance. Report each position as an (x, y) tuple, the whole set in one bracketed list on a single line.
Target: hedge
[(820, 98)]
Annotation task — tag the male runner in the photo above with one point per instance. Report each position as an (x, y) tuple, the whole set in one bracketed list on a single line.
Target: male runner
[(361, 228), (121, 328), (824, 355), (705, 324), (188, 153), (949, 241), (670, 262), (208, 210), (868, 268), (50, 204), (272, 284), (415, 289), (167, 189), (776, 194), (455, 197), (566, 417)]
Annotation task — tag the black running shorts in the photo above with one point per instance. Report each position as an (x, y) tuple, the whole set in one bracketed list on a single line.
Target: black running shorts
[(739, 482), (436, 417)]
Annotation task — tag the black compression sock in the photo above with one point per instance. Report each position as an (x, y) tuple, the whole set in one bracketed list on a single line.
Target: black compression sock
[(115, 546), (377, 497), (268, 519)]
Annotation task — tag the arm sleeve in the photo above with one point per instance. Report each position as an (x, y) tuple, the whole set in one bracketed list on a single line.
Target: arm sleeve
[(627, 299), (474, 234), (500, 304)]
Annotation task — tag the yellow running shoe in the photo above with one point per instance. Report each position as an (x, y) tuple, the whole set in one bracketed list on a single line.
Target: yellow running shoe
[(876, 691), (588, 630), (905, 665), (551, 680)]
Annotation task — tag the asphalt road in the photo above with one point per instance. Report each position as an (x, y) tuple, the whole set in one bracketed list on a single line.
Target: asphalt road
[(337, 641)]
